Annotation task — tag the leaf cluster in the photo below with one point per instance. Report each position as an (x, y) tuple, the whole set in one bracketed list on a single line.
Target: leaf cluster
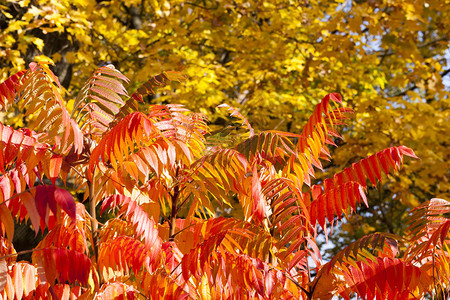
[(156, 171)]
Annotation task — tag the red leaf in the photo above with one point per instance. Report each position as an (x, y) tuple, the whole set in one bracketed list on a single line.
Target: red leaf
[(113, 201), (339, 202), (407, 151), (368, 171), (300, 256), (396, 156), (352, 198), (349, 174), (317, 257), (8, 88), (335, 201), (373, 162), (63, 265), (48, 196), (383, 162), (359, 173), (388, 159), (321, 207)]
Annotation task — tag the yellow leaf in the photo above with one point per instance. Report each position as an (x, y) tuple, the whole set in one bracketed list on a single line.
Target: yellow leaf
[(348, 228), (205, 292), (44, 59), (367, 228), (71, 57), (56, 57), (39, 43)]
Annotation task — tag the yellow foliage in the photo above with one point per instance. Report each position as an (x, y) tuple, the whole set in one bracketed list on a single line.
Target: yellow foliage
[(366, 228), (271, 59)]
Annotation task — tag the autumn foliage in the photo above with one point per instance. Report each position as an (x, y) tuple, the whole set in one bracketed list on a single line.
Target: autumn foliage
[(273, 60), (163, 177)]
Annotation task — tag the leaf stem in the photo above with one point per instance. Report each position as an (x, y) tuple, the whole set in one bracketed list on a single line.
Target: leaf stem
[(94, 223), (173, 215), (308, 294), (20, 253), (179, 231), (18, 194)]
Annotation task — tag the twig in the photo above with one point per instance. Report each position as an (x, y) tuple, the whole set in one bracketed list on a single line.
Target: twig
[(20, 253)]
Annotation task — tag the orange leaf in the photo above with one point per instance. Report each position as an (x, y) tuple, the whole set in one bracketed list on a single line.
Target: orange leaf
[(18, 281), (258, 207), (3, 273), (7, 222), (55, 167), (28, 200)]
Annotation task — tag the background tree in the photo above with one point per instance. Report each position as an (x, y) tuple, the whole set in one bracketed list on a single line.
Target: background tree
[(389, 61)]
